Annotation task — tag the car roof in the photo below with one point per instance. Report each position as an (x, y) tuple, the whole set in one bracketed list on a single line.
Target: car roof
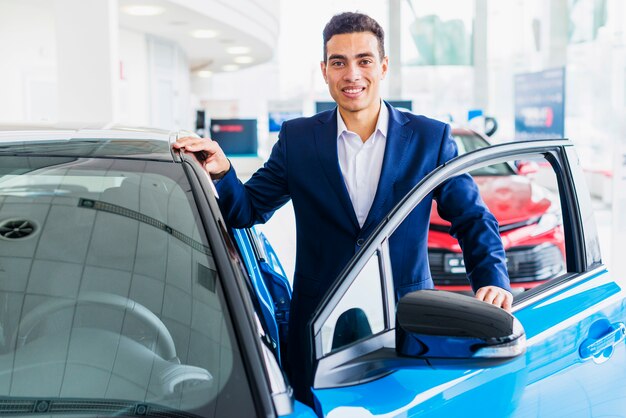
[(112, 142)]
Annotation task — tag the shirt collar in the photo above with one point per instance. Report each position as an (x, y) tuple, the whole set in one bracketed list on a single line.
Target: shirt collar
[(382, 124)]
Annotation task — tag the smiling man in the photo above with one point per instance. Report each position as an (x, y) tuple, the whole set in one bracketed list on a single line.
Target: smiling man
[(344, 170)]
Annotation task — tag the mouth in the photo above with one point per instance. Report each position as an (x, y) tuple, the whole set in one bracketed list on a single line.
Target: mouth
[(353, 91)]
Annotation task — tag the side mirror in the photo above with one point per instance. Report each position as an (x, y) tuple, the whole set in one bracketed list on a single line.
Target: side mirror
[(435, 324), (525, 168)]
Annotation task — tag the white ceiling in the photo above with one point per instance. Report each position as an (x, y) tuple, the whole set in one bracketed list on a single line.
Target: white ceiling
[(177, 22)]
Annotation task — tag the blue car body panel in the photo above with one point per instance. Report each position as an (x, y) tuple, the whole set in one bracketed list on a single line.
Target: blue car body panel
[(272, 259), (270, 284), (256, 277), (550, 380), (277, 283), (301, 410), (560, 382), (427, 392)]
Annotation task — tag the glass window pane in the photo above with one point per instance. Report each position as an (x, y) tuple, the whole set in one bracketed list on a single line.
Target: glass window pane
[(527, 206), (360, 312)]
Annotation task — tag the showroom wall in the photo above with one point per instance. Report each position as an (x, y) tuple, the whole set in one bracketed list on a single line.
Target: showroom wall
[(87, 60), (28, 68), (168, 78), (134, 98)]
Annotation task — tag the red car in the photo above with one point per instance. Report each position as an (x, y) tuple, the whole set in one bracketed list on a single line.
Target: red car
[(529, 216)]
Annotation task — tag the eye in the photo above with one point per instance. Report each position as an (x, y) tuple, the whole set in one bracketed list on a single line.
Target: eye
[(366, 61), (336, 63)]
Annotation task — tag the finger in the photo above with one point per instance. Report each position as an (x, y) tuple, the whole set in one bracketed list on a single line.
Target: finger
[(209, 158), (203, 150), (507, 305), (490, 296), (200, 145), (483, 293), (194, 144), (499, 299), (181, 142)]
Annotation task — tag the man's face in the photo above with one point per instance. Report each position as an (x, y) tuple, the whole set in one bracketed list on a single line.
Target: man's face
[(353, 70)]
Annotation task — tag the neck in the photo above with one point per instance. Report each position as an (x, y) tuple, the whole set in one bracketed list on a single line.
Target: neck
[(362, 122)]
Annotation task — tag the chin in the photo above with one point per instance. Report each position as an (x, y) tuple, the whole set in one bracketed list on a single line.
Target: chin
[(353, 107)]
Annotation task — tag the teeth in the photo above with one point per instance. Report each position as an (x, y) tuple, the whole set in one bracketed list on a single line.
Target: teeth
[(352, 91)]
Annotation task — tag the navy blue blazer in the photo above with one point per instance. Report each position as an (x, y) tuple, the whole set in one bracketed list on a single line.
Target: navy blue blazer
[(304, 167)]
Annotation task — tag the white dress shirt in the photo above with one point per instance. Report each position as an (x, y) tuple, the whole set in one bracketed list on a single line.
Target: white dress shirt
[(361, 162)]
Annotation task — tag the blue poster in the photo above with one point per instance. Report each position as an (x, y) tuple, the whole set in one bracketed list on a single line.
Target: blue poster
[(540, 105)]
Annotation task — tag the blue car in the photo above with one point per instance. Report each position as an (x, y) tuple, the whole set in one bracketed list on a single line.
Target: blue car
[(124, 293)]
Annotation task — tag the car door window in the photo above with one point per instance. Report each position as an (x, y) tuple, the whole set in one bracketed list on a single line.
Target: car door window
[(526, 203), (360, 312)]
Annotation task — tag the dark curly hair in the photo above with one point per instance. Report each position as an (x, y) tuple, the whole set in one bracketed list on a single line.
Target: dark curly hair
[(350, 22)]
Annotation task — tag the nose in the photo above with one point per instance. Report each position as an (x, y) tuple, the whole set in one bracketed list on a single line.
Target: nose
[(353, 73)]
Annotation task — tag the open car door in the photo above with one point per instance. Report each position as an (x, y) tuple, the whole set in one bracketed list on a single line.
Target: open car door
[(437, 354)]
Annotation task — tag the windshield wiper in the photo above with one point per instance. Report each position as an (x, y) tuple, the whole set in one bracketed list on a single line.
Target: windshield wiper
[(108, 407)]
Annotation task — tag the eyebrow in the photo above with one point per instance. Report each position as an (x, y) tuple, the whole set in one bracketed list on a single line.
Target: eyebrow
[(357, 56)]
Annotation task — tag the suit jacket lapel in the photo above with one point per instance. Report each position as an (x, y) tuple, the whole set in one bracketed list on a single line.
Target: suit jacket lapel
[(326, 141), (398, 138)]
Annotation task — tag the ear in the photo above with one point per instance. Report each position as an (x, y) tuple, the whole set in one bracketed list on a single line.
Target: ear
[(323, 68), (385, 66)]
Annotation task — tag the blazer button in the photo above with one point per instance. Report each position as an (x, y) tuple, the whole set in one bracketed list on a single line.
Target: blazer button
[(360, 242)]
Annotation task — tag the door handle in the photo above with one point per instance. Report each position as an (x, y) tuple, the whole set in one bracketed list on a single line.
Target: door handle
[(600, 349)]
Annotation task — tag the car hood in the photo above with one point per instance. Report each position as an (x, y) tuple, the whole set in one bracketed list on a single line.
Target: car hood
[(512, 199)]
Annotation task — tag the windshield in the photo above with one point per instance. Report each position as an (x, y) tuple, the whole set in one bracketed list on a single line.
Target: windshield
[(468, 143), (109, 290)]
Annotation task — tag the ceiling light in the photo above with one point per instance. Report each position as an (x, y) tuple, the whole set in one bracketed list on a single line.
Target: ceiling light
[(243, 59), (143, 10), (238, 50), (230, 67), (204, 33), (204, 73)]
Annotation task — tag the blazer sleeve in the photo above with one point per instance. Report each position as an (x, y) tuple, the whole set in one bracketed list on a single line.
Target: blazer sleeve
[(459, 202), (244, 205)]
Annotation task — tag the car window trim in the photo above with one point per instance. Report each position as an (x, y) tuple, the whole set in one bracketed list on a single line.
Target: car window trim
[(257, 246), (588, 227), (387, 284), (574, 241), (238, 303), (511, 171)]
